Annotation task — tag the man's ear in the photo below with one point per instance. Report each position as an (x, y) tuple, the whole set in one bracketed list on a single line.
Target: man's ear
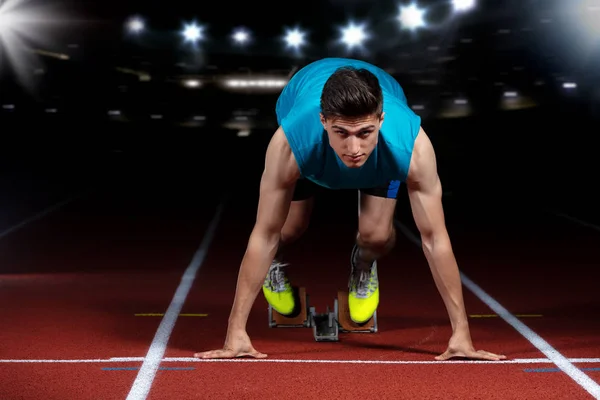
[(322, 119), (381, 119)]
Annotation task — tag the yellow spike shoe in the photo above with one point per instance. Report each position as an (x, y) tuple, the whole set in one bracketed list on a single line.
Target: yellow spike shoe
[(363, 293), (277, 289)]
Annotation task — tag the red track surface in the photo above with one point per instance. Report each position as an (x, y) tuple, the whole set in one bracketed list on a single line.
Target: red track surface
[(73, 282)]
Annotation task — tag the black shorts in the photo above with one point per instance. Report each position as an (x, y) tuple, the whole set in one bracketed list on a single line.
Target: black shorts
[(305, 189)]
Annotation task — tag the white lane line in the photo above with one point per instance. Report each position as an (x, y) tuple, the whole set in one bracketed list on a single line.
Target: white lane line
[(37, 216), (514, 361), (145, 377), (301, 361), (577, 221), (588, 384)]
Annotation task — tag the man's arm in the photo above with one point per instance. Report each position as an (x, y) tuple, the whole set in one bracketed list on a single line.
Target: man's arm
[(276, 190), (425, 194)]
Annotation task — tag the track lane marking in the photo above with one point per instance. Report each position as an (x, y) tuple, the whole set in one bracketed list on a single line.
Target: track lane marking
[(587, 383), (294, 361), (40, 215), (145, 377)]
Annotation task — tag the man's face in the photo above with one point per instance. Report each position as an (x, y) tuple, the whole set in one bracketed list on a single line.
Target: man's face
[(353, 139)]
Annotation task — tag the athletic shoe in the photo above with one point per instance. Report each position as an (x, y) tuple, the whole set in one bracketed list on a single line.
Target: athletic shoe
[(277, 289), (363, 296)]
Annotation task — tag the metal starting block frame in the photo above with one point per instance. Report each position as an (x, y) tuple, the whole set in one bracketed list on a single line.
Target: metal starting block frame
[(326, 326)]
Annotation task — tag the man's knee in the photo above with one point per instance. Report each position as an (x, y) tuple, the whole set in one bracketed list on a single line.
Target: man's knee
[(297, 220), (375, 225), (293, 230), (380, 238)]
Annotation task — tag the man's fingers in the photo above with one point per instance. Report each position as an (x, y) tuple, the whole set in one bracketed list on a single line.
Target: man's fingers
[(215, 354), (491, 356), (477, 355), (256, 354), (252, 353), (228, 354), (207, 354)]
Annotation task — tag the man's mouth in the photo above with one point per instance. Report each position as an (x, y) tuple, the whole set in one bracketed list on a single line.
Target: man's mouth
[(354, 158)]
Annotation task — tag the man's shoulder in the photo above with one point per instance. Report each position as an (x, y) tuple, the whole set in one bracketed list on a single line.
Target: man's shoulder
[(303, 119), (282, 158), (400, 123)]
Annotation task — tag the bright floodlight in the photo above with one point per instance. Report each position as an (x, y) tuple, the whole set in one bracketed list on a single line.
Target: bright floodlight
[(192, 32), (590, 16), (411, 17), (294, 38), (354, 35), (3, 22), (463, 5), (135, 25), (241, 36), (192, 83), (22, 26)]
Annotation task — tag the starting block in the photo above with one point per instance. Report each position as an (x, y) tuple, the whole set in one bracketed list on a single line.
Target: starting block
[(299, 318), (346, 323), (326, 326)]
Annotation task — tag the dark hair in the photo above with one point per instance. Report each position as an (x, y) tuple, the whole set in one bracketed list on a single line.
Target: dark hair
[(351, 92)]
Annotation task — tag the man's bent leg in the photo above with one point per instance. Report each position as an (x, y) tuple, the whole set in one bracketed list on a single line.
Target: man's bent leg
[(376, 234), (277, 289), (375, 238), (296, 223)]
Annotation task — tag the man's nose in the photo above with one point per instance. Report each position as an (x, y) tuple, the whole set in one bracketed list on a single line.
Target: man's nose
[(353, 145)]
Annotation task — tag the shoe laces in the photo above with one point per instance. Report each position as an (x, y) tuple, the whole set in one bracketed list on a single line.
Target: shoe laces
[(361, 281), (277, 277)]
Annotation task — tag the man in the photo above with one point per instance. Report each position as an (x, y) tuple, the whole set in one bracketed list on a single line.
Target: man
[(346, 124)]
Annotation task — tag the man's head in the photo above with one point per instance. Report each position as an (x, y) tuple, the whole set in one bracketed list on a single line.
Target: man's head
[(352, 114)]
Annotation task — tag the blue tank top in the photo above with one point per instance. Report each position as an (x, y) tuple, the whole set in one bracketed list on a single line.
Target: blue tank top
[(298, 109)]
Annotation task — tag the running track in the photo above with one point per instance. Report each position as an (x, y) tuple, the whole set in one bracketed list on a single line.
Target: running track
[(74, 282)]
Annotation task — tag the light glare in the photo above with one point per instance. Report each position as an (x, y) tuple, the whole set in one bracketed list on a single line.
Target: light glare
[(354, 35), (192, 32), (411, 17), (241, 36), (294, 38), (135, 25), (463, 5)]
